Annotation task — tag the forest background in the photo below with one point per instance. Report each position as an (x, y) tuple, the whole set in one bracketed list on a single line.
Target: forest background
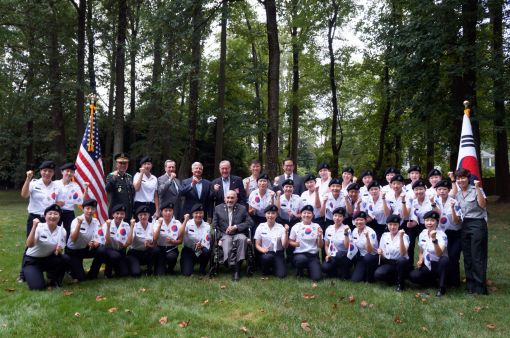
[(203, 80)]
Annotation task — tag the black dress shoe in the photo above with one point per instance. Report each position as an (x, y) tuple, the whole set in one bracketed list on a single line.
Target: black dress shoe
[(400, 287), (440, 292)]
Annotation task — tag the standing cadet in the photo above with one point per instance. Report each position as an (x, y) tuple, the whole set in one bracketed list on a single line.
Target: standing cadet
[(323, 179), (259, 199), (347, 178), (414, 174), (366, 177), (251, 182), (146, 188), (196, 244), (332, 200), (388, 174), (271, 239), (119, 185), (69, 195), (373, 205), (45, 246), (434, 177)]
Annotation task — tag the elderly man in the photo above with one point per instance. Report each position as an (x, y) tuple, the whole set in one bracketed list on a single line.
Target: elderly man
[(227, 182), (119, 185), (169, 188), (232, 221), (196, 190)]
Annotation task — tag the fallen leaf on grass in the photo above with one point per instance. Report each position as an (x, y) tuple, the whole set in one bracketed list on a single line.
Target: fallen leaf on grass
[(397, 320), (423, 328), (223, 286), (10, 289), (77, 314), (308, 296), (142, 290), (184, 324), (478, 309), (205, 302), (262, 310), (461, 313), (371, 306), (490, 282), (67, 293), (264, 278), (493, 289), (314, 285), (243, 329), (112, 310), (491, 326), (424, 300), (334, 306), (351, 299), (305, 326), (100, 298), (163, 320), (127, 311), (364, 303)]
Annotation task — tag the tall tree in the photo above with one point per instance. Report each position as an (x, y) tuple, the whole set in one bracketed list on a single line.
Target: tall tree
[(120, 65), (294, 109), (81, 9), (90, 43)]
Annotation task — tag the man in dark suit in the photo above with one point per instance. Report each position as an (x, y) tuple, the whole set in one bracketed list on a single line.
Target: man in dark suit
[(232, 221), (197, 190), (225, 183), (169, 188), (288, 173)]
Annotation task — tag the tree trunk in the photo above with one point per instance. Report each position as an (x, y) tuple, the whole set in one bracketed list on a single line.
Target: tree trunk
[(336, 126), (294, 122), (90, 39), (111, 103), (118, 131), (385, 117), (220, 118), (155, 90), (80, 71), (133, 51), (501, 146)]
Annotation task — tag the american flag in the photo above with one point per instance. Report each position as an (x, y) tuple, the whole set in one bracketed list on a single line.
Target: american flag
[(89, 166)]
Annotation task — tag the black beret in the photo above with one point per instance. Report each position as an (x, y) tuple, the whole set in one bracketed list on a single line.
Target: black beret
[(397, 177), (121, 157), (307, 207), (69, 165), (367, 173), (197, 207), (167, 205), (419, 183), (145, 159), (348, 170), (414, 168), (353, 186), (118, 207), (360, 214), (340, 210), (271, 207), (431, 214), (391, 170), (310, 177), (142, 208), (90, 202), (288, 181), (53, 207), (434, 172), (323, 166), (334, 181), (263, 176), (393, 219), (373, 184), (443, 184), (47, 165)]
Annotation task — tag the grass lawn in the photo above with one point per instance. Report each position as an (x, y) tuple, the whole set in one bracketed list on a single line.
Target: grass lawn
[(261, 307)]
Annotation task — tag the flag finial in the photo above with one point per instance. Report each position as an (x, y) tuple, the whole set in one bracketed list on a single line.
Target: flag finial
[(467, 110)]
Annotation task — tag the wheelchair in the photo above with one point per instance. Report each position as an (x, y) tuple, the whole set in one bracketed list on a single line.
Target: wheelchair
[(217, 254)]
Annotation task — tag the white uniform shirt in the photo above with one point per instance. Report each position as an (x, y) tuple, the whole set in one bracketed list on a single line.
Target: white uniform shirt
[(395, 204), (294, 204), (391, 247), (306, 235), (259, 202), (374, 210), (335, 239), (46, 241), (332, 203), (87, 233), (119, 234), (360, 241), (427, 247), (270, 239), (363, 192), (170, 230), (446, 216), (41, 195), (431, 192), (386, 189), (140, 235), (70, 194), (194, 234), (323, 186), (309, 199), (417, 210), (147, 189)]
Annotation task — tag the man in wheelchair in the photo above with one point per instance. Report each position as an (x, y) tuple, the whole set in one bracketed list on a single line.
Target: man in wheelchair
[(232, 222)]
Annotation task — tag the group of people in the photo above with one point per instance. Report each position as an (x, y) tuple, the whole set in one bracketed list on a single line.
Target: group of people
[(349, 228)]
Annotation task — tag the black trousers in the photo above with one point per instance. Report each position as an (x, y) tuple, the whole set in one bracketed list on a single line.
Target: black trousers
[(364, 268), (166, 259), (392, 270), (308, 261), (338, 266), (66, 219), (413, 234), (474, 247), (137, 258), (30, 220), (426, 277), (454, 250), (55, 267), (77, 257), (189, 259), (150, 205), (273, 263), (111, 257)]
